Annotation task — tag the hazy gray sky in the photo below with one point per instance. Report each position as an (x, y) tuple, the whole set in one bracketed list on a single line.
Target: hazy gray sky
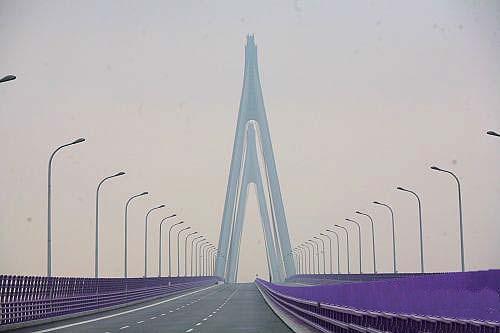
[(361, 96)]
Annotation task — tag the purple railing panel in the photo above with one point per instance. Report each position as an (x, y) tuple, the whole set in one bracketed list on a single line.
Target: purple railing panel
[(26, 298), (470, 295), (467, 290)]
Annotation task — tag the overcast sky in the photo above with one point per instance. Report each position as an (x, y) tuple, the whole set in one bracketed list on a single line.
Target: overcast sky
[(361, 96)]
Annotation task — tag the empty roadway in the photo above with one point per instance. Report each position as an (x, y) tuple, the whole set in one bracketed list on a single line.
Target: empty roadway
[(224, 308)]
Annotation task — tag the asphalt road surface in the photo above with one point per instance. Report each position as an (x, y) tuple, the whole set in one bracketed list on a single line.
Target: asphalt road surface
[(224, 308)]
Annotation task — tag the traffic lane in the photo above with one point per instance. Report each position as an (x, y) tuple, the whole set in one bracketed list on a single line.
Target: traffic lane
[(244, 311), (167, 317), (85, 323)]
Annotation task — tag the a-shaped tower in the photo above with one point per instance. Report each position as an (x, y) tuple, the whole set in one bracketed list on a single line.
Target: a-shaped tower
[(252, 132)]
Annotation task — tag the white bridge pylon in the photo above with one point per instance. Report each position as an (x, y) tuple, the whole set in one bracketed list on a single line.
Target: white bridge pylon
[(252, 132)]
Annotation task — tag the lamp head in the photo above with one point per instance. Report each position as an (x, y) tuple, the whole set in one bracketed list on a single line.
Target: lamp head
[(358, 212), (160, 206), (173, 215), (376, 202), (400, 188), (121, 173), (8, 78), (144, 193), (436, 168), (492, 133), (78, 141)]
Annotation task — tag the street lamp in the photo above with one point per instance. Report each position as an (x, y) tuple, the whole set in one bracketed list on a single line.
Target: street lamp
[(317, 253), (7, 78), (311, 260), (204, 256), (393, 235), (160, 243), (493, 133), (197, 254), (322, 251), (126, 228), (193, 241), (330, 242), (420, 221), (186, 250), (96, 259), (146, 238), (170, 249), (200, 256), (338, 249), (462, 260), (178, 251), (49, 205), (347, 245), (309, 242), (373, 239), (359, 241)]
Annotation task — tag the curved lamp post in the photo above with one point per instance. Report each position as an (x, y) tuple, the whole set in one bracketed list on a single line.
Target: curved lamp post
[(49, 202), (322, 251), (200, 256), (146, 238), (161, 242), (373, 239), (178, 250), (420, 222), (199, 245), (330, 242), (96, 254), (359, 241), (186, 251), (338, 249), (462, 260), (347, 245), (170, 248), (310, 254), (317, 253), (393, 235), (314, 255), (193, 241), (126, 230)]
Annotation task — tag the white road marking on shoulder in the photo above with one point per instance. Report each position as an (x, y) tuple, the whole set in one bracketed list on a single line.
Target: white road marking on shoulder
[(189, 330), (152, 318), (124, 327), (124, 312), (140, 321), (198, 324)]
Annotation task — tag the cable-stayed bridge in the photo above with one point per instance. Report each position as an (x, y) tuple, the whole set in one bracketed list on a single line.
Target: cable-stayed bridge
[(298, 297)]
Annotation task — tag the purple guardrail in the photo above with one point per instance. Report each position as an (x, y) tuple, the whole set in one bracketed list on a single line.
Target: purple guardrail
[(344, 278), (447, 302), (27, 298)]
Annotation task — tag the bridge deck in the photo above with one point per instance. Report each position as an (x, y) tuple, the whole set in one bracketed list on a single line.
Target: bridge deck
[(226, 308)]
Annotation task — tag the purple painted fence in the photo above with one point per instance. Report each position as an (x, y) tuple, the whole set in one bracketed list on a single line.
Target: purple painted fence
[(448, 302), (27, 298)]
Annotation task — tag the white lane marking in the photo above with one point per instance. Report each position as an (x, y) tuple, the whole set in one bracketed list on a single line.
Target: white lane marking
[(210, 315), (152, 318), (140, 321), (124, 327), (189, 330), (204, 319), (162, 314), (170, 311), (124, 312), (198, 324)]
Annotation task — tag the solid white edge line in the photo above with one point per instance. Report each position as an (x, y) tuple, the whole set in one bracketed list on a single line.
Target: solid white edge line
[(122, 313)]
